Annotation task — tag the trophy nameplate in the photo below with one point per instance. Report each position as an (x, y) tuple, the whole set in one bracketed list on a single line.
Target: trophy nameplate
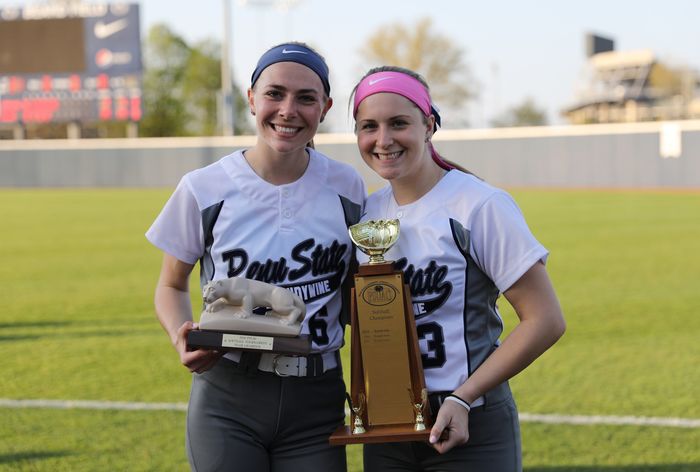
[(229, 322), (388, 398)]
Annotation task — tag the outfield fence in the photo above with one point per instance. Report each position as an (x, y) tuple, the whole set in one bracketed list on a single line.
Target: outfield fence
[(634, 155)]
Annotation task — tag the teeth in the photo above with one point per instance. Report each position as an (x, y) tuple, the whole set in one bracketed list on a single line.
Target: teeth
[(285, 130), (388, 157)]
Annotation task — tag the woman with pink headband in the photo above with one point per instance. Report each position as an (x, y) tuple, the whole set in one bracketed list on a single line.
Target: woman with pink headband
[(463, 243)]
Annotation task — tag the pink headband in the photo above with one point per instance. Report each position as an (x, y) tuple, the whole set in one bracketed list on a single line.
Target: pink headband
[(393, 82), (406, 86)]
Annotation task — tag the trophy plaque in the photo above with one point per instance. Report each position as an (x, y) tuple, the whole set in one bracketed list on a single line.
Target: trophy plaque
[(229, 321), (385, 358)]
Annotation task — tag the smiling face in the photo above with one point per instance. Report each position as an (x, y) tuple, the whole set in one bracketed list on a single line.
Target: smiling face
[(288, 101), (391, 136)]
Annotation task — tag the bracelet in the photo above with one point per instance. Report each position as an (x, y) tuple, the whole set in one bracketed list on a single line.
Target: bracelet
[(454, 398)]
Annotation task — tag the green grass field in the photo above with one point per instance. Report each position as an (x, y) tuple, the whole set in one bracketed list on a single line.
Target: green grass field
[(77, 323)]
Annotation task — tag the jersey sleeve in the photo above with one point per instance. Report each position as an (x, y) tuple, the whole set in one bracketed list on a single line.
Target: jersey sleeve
[(178, 228), (502, 243)]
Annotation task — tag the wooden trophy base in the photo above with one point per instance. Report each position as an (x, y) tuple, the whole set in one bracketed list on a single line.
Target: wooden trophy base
[(378, 434), (228, 341)]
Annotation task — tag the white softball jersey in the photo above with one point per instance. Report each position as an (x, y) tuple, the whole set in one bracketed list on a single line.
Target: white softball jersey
[(460, 246), (294, 235)]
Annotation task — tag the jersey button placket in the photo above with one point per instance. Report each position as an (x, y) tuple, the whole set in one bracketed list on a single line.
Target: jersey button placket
[(285, 209)]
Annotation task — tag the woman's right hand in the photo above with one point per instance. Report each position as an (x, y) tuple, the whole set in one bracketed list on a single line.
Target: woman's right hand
[(451, 427), (199, 360)]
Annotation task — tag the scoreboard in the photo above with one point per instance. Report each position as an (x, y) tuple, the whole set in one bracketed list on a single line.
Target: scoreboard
[(70, 62)]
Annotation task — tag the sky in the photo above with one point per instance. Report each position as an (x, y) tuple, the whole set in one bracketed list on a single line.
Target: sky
[(514, 50)]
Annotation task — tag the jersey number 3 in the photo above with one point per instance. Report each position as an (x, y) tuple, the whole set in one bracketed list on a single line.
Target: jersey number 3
[(431, 334)]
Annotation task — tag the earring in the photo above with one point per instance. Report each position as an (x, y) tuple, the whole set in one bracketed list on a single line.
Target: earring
[(252, 112)]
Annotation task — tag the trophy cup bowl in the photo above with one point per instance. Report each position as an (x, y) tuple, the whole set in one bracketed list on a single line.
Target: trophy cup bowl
[(375, 237)]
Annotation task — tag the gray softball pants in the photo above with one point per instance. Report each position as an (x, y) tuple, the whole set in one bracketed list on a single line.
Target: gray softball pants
[(257, 421), (494, 446)]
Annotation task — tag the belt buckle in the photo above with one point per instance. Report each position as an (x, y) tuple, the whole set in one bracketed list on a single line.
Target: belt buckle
[(275, 364), (275, 359)]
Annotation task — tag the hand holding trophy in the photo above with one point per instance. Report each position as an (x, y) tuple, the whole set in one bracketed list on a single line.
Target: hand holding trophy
[(385, 359)]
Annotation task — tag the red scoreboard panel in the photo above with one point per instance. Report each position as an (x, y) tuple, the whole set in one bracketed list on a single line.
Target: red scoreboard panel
[(61, 63)]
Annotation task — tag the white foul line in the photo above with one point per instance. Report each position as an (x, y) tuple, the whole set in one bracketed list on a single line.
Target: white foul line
[(90, 405), (524, 417), (610, 420)]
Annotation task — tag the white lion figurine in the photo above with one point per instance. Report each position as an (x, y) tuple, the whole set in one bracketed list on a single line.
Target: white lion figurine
[(288, 307)]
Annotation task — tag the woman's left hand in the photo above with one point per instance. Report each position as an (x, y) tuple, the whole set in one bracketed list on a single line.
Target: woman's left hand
[(451, 427)]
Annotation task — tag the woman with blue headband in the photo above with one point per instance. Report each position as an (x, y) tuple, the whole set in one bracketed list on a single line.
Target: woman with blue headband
[(277, 212), (463, 244)]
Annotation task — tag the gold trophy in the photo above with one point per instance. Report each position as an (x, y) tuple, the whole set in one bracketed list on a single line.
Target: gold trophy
[(385, 359)]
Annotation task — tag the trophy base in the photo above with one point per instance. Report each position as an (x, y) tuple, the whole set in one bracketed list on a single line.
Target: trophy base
[(229, 341), (378, 434)]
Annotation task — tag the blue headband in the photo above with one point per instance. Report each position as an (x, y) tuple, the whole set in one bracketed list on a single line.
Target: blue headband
[(290, 52)]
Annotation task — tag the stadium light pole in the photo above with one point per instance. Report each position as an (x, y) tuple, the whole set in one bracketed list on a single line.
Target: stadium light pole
[(227, 112)]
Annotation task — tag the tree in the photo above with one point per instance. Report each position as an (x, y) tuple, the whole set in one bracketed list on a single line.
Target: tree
[(201, 86), (666, 79), (431, 54), (165, 58), (525, 114), (182, 86)]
